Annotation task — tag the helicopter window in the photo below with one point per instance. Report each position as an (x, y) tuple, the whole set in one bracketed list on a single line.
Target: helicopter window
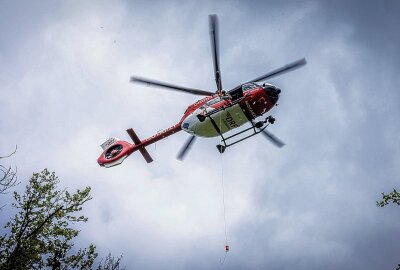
[(236, 93), (249, 86), (213, 101)]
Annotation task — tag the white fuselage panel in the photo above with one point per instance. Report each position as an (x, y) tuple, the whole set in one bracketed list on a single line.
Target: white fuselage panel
[(225, 120)]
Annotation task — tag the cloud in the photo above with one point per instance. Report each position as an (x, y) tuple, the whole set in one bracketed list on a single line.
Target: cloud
[(311, 205)]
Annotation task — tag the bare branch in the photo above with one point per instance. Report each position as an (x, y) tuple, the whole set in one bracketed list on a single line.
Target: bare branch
[(8, 179), (15, 150), (8, 176)]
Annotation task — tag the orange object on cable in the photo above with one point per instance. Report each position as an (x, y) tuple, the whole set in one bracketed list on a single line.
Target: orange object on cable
[(226, 248)]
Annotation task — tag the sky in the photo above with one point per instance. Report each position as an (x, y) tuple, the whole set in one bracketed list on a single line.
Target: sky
[(64, 76)]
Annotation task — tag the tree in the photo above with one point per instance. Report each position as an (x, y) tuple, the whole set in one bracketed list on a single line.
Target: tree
[(40, 233), (110, 263), (392, 197), (8, 176)]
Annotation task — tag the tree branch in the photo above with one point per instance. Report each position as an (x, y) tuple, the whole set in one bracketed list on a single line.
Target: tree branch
[(11, 153)]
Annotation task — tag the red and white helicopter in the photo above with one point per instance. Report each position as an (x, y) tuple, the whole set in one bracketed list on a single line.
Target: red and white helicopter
[(214, 115)]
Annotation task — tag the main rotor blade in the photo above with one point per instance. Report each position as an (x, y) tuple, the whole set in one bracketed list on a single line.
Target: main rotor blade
[(150, 82), (277, 142), (282, 70), (186, 147), (213, 19)]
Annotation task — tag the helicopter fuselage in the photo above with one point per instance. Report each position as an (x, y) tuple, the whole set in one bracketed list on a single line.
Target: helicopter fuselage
[(215, 115)]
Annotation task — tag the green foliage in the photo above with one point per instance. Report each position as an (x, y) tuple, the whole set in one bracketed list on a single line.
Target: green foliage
[(110, 263), (392, 197), (40, 233)]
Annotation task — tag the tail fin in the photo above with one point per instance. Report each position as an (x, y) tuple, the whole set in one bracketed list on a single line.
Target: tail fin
[(116, 150), (137, 141), (109, 142)]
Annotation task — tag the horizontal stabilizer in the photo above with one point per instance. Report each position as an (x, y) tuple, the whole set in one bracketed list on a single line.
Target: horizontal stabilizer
[(146, 155), (133, 136), (137, 142)]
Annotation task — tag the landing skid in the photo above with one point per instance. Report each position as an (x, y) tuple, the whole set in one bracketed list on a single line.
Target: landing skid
[(256, 128)]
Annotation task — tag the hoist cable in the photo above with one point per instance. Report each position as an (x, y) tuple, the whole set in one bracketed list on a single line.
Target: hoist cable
[(222, 261)]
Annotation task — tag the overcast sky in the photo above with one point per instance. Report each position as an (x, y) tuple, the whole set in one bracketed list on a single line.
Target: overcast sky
[(64, 76)]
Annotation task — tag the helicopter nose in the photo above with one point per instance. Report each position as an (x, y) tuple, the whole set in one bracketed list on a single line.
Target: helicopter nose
[(272, 92)]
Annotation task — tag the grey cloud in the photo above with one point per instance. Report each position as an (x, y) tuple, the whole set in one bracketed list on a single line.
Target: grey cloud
[(310, 205)]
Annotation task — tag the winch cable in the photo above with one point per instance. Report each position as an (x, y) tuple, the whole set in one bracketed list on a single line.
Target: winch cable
[(222, 260)]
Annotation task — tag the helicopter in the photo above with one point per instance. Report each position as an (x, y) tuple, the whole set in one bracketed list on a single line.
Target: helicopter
[(214, 115)]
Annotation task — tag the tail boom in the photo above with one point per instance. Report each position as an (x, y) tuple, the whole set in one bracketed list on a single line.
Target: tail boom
[(116, 151)]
